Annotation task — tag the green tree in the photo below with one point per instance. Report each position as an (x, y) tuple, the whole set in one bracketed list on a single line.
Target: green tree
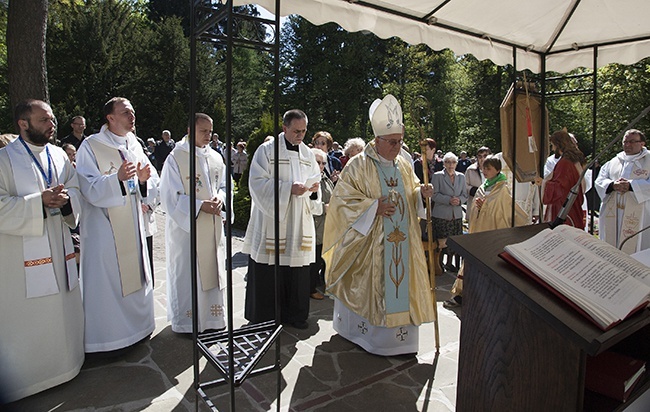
[(27, 70)]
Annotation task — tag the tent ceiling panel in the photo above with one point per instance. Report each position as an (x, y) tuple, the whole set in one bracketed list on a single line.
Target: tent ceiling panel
[(564, 32)]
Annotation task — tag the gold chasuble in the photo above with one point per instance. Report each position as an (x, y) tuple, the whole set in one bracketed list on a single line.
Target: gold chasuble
[(208, 227), (380, 276), (128, 250)]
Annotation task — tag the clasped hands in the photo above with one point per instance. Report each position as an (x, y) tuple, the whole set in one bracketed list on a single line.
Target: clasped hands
[(212, 206), (55, 197), (127, 170), (621, 185)]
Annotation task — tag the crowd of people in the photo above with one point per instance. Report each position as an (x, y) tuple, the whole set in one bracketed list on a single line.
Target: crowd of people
[(349, 219)]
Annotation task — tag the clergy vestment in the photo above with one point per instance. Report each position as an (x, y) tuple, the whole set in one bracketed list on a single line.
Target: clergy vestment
[(115, 272), (370, 259), (210, 239), (622, 215), (41, 313), (296, 235)]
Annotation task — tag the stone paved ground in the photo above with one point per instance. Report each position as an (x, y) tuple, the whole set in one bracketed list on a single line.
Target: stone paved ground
[(321, 371)]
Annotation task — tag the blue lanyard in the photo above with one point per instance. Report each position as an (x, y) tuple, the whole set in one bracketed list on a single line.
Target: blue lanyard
[(48, 176)]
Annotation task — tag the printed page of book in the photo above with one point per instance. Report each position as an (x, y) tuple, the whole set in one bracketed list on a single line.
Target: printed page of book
[(585, 272)]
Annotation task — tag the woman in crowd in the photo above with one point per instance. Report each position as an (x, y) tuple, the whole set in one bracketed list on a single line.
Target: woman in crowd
[(352, 148), (556, 186), (450, 193)]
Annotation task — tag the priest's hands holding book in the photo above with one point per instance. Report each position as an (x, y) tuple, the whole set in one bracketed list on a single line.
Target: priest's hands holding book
[(212, 206), (55, 197), (300, 189)]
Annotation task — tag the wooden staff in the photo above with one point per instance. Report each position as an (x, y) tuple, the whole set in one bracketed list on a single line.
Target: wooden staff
[(427, 202)]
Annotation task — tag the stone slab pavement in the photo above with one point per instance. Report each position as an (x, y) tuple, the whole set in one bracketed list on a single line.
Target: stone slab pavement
[(320, 370)]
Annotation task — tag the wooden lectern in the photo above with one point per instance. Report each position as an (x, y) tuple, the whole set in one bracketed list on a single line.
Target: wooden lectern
[(521, 347)]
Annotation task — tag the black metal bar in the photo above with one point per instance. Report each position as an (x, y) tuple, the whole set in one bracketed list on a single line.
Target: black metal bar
[(603, 44), (543, 141), (563, 26), (192, 130), (228, 141), (514, 136), (594, 127), (437, 9), (276, 189)]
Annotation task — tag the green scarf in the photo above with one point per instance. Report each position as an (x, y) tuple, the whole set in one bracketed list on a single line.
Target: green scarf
[(500, 177)]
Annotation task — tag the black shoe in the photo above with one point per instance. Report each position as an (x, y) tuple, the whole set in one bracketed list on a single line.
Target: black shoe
[(300, 324), (454, 302)]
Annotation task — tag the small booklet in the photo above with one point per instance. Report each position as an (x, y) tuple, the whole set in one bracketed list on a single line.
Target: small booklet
[(603, 283)]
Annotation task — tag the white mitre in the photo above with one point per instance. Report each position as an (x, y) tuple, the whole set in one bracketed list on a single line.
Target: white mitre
[(386, 116)]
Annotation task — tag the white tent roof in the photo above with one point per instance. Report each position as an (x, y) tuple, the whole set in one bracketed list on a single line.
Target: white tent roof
[(563, 32)]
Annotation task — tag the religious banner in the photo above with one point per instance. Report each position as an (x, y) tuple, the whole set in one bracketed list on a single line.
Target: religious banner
[(530, 144)]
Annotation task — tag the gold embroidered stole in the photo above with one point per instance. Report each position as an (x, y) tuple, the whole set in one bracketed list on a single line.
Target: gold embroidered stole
[(208, 227), (40, 279), (125, 233), (632, 210)]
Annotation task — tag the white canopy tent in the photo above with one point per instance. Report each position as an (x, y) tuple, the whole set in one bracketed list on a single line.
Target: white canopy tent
[(546, 35)]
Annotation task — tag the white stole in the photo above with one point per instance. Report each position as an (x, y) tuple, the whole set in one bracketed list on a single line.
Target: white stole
[(40, 279), (632, 211), (209, 228), (125, 233), (292, 169)]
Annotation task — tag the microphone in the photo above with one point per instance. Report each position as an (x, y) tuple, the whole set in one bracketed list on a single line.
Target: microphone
[(573, 193), (631, 236)]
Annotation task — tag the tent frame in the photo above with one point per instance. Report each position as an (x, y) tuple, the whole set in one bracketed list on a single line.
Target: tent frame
[(235, 354)]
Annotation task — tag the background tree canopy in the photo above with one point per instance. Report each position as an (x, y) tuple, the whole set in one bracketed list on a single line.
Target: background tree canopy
[(139, 49)]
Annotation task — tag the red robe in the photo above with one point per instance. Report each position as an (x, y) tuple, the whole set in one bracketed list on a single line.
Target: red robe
[(556, 190)]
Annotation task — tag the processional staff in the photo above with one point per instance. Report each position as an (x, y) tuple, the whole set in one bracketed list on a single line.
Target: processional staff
[(433, 267)]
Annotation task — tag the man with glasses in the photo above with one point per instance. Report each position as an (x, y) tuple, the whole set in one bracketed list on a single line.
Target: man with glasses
[(77, 135), (624, 185), (375, 265)]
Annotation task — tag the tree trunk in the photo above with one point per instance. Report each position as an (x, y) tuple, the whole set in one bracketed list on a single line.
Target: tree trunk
[(27, 72)]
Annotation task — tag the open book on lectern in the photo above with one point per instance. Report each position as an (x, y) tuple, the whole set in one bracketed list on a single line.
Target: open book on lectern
[(603, 283)]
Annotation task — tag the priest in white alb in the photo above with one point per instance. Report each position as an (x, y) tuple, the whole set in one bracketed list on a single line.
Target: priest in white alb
[(116, 276), (41, 314), (624, 186), (375, 262), (210, 189)]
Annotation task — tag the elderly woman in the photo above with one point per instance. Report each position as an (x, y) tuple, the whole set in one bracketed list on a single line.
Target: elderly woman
[(324, 141), (450, 192), (352, 148)]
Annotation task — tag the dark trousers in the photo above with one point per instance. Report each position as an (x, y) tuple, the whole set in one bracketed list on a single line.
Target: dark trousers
[(293, 293), (150, 249), (315, 270)]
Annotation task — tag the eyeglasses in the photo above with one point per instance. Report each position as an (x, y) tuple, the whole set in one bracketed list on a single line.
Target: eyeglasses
[(391, 142), (631, 141), (321, 163)]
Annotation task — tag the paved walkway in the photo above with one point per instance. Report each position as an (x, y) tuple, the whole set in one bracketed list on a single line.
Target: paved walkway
[(321, 371)]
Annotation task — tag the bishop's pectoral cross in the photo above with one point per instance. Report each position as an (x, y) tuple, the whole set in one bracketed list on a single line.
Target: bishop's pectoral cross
[(392, 193)]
